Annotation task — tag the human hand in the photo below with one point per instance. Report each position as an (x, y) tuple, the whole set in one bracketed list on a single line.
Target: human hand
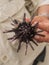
[(44, 25)]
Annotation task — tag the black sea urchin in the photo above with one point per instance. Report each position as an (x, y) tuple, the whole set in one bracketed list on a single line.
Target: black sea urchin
[(25, 32)]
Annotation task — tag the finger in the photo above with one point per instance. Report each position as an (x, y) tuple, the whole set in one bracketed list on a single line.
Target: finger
[(27, 20), (44, 25), (43, 39), (38, 19)]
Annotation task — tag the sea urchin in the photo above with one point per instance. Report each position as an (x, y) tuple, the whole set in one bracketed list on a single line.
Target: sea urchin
[(25, 32)]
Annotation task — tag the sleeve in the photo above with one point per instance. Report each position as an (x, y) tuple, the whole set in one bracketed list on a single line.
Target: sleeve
[(43, 2)]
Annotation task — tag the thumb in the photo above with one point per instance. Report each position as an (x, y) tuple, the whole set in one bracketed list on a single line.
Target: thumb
[(43, 39)]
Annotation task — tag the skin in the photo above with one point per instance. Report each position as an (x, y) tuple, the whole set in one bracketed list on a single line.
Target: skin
[(43, 23)]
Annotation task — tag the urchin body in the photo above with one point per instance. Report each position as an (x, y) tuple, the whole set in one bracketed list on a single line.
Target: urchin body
[(25, 32)]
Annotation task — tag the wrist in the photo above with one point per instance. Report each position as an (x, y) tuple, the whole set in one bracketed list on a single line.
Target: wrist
[(43, 11), (44, 15)]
